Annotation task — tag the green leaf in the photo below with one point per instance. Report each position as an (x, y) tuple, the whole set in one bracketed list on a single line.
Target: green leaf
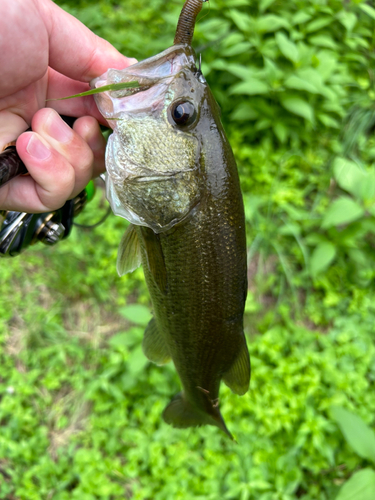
[(270, 22), (328, 121), (322, 257), (288, 48), (264, 4), (136, 313), (299, 107), (347, 19), (237, 49), (239, 70), (318, 24), (238, 3), (136, 361), (314, 77), (252, 86), (263, 124), (367, 9), (104, 88), (281, 132), (295, 82), (354, 180), (323, 41), (358, 434), (130, 338), (242, 20), (361, 486), (244, 112), (342, 211), (301, 17), (349, 176)]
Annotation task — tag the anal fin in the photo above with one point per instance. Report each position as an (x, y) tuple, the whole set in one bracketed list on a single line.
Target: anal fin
[(154, 346), (237, 378), (129, 252)]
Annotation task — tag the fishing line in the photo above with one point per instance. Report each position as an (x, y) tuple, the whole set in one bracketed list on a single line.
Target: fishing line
[(206, 14), (91, 226)]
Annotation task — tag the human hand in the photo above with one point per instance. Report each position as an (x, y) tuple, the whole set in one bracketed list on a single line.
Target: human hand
[(46, 53)]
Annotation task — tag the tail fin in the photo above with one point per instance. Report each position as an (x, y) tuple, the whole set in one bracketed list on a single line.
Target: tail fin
[(182, 414)]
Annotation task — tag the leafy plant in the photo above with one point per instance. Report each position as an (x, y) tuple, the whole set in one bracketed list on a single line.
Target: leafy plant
[(362, 439), (81, 407)]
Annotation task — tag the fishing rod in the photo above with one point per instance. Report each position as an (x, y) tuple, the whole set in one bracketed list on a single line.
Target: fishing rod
[(19, 230)]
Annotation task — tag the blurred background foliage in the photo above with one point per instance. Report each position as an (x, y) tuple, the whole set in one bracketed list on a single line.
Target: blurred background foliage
[(81, 407)]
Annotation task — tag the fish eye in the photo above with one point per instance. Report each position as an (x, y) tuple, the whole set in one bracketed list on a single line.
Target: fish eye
[(183, 112)]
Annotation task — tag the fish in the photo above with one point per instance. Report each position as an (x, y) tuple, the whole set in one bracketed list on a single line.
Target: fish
[(172, 174)]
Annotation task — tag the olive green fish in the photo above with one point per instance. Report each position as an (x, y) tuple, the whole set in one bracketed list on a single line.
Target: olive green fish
[(172, 174)]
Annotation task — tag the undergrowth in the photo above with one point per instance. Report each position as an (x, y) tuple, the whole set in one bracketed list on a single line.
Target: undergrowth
[(80, 406)]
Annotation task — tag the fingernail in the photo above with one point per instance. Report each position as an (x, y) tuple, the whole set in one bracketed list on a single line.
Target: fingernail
[(58, 129), (132, 60), (37, 149)]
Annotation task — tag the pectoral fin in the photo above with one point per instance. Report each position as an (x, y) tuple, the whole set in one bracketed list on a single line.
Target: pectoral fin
[(155, 258), (129, 252), (237, 378), (154, 345)]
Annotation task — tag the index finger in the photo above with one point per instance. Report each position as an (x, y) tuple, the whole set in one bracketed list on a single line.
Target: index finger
[(74, 50)]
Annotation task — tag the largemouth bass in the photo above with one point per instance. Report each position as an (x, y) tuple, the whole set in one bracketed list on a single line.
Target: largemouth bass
[(172, 174)]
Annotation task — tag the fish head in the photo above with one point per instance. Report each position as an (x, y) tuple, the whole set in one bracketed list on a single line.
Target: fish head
[(153, 157)]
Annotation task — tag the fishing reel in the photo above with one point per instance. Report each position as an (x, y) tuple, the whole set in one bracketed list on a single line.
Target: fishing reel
[(20, 230)]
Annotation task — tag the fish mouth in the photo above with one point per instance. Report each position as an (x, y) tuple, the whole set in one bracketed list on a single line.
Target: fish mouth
[(153, 75)]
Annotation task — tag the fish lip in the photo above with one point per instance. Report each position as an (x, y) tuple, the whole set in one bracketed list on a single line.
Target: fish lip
[(132, 72), (156, 73)]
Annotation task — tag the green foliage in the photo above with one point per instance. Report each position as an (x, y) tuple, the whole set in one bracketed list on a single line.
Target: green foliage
[(361, 485), (362, 439), (291, 65), (80, 405), (83, 416)]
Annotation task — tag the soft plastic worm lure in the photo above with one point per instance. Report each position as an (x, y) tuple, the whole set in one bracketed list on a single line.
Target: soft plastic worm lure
[(186, 21)]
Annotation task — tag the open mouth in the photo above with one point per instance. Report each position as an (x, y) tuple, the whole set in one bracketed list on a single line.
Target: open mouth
[(153, 76)]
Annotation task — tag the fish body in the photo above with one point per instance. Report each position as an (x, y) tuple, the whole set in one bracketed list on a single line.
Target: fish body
[(172, 174)]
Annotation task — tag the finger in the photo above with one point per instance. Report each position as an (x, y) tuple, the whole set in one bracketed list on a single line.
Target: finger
[(24, 46), (88, 128), (65, 141), (51, 181), (94, 55), (11, 126)]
